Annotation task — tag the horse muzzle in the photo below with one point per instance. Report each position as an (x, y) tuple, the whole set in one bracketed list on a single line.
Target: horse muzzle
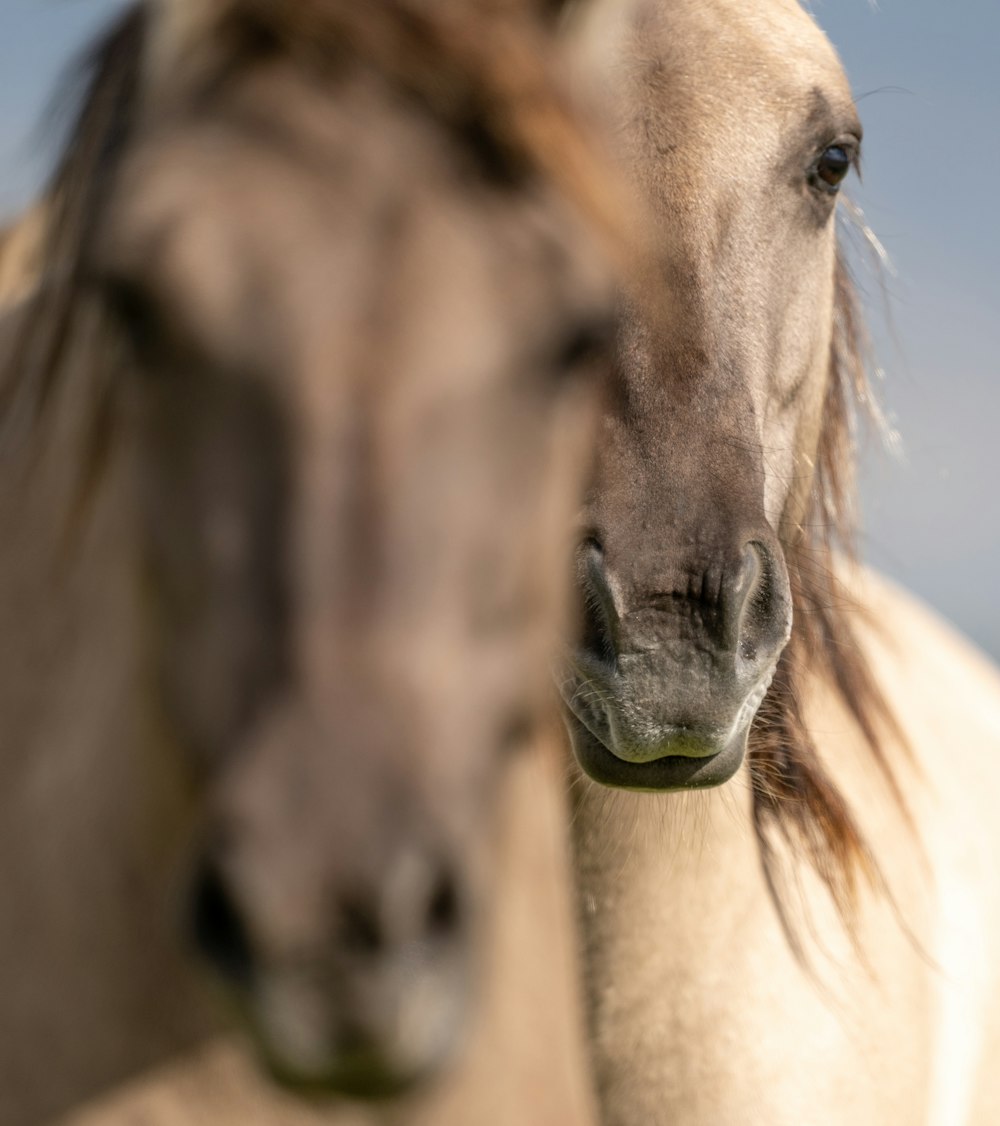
[(663, 692), (368, 1006), (624, 745)]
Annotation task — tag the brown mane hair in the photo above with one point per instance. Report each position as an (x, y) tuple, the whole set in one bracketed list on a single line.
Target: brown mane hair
[(103, 91), (477, 65), (793, 796)]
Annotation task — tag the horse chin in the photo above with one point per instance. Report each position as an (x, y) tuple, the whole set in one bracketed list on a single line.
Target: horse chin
[(361, 1076), (686, 763), (318, 1053)]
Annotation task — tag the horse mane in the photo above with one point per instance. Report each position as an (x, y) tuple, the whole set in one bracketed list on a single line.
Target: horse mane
[(480, 66), (104, 91), (793, 795), (477, 66)]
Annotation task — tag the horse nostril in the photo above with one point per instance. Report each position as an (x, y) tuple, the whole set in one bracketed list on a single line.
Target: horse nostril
[(416, 906), (444, 909), (758, 602), (360, 928), (598, 611), (218, 931), (591, 545), (749, 572)]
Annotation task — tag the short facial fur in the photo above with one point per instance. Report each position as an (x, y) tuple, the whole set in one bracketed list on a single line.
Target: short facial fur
[(708, 455)]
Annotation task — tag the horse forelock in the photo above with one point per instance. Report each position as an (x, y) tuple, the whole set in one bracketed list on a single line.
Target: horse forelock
[(794, 796), (482, 67)]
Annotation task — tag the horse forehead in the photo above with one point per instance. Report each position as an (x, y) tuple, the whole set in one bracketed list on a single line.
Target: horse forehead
[(220, 227), (718, 59), (774, 42)]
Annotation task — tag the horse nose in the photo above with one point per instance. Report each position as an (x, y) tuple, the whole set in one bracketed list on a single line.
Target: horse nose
[(742, 604), (365, 995), (415, 911), (416, 906)]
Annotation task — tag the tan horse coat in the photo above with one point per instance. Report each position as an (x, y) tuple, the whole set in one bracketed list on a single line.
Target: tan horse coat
[(700, 1011)]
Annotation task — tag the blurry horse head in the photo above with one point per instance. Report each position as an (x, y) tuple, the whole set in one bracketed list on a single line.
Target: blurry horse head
[(716, 493), (344, 260)]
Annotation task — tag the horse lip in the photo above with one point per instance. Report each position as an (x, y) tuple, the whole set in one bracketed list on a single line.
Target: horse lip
[(672, 772), (584, 694), (355, 1075), (684, 757), (587, 702), (589, 694), (369, 1068), (678, 741)]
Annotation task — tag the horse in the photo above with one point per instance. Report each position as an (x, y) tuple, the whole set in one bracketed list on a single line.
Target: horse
[(293, 415), (784, 768)]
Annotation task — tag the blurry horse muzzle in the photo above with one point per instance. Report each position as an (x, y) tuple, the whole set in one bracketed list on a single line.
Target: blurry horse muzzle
[(369, 1009)]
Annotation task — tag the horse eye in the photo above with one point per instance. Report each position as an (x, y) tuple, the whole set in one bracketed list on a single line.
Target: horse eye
[(832, 168)]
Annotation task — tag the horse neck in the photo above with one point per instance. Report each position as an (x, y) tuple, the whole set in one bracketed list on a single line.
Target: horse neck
[(637, 854)]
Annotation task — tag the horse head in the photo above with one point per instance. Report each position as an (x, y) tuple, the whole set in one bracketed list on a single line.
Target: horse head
[(724, 379), (345, 261)]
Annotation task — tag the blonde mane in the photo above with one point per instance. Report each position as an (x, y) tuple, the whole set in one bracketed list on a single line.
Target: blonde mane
[(793, 796)]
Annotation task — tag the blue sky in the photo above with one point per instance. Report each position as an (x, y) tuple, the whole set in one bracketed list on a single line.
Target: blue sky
[(927, 76)]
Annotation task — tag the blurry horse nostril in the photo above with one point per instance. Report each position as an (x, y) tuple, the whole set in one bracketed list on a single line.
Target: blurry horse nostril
[(414, 907), (218, 930), (360, 929), (444, 909)]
